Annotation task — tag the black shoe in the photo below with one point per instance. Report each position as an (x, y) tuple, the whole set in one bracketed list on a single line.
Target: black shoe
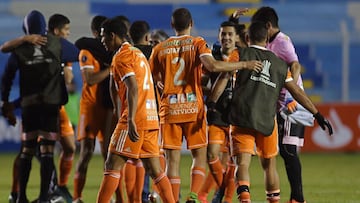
[(218, 196), (13, 197), (63, 192), (57, 199)]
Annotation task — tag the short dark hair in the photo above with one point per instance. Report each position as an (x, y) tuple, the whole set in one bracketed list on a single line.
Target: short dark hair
[(266, 14), (115, 26), (96, 23), (228, 24), (241, 31), (123, 19), (138, 30), (57, 21), (181, 19), (159, 34), (257, 31)]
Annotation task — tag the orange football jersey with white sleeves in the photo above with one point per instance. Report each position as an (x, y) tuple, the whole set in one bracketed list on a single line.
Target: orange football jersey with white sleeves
[(130, 61), (177, 61)]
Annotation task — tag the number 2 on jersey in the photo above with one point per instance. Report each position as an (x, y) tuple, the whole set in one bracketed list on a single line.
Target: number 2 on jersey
[(177, 80)]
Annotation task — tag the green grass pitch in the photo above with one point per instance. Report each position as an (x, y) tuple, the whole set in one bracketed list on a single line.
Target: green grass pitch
[(327, 178)]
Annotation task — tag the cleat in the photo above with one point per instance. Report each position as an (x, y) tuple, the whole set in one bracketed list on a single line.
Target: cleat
[(78, 201), (57, 199), (218, 196), (203, 199), (193, 198), (294, 201), (63, 192), (12, 197), (154, 197)]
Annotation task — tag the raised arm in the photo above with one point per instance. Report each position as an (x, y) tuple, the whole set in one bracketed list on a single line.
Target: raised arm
[(236, 15)]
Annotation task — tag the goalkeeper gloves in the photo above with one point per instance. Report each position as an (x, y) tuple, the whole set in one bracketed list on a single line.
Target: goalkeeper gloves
[(323, 122)]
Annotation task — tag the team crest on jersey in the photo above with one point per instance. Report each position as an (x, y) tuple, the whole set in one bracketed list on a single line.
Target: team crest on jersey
[(83, 59)]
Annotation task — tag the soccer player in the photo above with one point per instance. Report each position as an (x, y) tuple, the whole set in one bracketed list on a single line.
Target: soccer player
[(157, 36), (136, 180), (177, 64), (42, 91), (253, 113), (59, 25), (96, 115), (291, 135), (217, 116), (136, 133)]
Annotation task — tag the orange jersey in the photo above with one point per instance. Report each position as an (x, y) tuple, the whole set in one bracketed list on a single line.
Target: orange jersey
[(177, 61), (130, 61), (87, 60)]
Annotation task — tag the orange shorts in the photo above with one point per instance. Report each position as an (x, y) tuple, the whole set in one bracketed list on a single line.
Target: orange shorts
[(219, 135), (93, 122), (194, 133), (66, 128), (244, 140), (146, 147)]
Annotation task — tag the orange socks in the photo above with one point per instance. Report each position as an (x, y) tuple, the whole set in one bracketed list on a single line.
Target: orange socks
[(216, 170), (120, 198), (163, 167), (65, 166), (229, 182), (197, 179), (130, 178), (134, 179), (79, 182), (164, 186), (139, 184), (175, 182), (108, 186), (207, 186)]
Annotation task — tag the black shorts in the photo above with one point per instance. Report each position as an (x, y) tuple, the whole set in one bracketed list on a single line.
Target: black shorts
[(290, 133), (44, 117)]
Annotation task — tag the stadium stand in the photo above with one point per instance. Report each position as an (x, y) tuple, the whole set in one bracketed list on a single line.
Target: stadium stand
[(315, 28)]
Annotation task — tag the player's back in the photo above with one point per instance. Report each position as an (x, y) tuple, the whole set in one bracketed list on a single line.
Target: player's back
[(177, 60)]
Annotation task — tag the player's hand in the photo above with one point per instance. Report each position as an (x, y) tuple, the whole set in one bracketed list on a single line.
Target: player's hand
[(36, 39), (8, 112), (132, 131), (254, 65), (291, 106), (160, 86), (239, 12), (324, 124)]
